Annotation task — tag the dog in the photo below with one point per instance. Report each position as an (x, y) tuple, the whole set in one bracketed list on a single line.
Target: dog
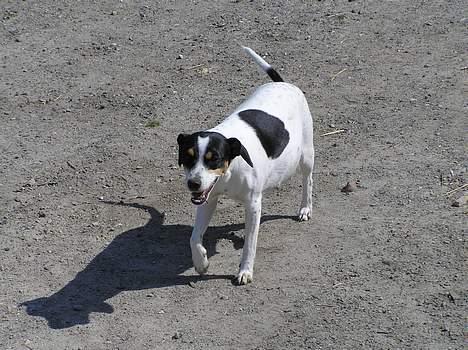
[(257, 147)]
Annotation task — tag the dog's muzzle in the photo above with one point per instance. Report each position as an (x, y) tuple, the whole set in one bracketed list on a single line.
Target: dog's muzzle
[(199, 198)]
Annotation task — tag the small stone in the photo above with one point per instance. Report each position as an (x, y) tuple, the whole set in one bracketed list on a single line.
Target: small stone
[(176, 335), (41, 214), (161, 312), (192, 284), (113, 13), (350, 187), (101, 198), (460, 202), (77, 307), (149, 295), (453, 297), (180, 57)]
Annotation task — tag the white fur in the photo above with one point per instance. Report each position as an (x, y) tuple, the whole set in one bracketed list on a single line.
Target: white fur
[(247, 184), (258, 59)]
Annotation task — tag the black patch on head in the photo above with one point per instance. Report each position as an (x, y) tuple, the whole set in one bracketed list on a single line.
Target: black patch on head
[(222, 150), (269, 129), (186, 142)]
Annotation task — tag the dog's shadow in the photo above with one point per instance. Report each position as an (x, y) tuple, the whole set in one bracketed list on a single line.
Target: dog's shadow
[(151, 256)]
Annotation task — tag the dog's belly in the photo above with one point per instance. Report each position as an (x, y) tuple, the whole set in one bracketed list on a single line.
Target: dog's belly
[(283, 168)]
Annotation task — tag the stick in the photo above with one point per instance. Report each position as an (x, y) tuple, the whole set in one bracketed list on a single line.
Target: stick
[(456, 189), (341, 71), (196, 66), (333, 132), (71, 165)]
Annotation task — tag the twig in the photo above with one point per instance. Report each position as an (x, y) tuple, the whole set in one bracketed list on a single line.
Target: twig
[(333, 132), (193, 67), (456, 189), (335, 15), (341, 71), (71, 165)]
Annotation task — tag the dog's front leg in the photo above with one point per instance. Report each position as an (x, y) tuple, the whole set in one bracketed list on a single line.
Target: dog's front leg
[(253, 208), (202, 220)]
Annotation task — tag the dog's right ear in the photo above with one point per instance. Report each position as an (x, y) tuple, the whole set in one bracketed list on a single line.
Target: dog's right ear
[(181, 140)]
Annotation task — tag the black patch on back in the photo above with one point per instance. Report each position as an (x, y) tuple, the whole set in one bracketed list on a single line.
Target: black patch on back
[(270, 131)]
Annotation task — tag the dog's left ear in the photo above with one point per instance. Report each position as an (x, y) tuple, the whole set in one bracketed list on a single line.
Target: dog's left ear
[(237, 149)]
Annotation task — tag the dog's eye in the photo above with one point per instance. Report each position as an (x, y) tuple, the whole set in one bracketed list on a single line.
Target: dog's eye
[(211, 156)]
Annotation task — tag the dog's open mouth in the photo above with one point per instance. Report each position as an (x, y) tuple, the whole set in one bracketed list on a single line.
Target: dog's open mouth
[(199, 198)]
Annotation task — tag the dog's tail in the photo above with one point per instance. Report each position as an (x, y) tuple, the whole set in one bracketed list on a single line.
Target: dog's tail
[(264, 65)]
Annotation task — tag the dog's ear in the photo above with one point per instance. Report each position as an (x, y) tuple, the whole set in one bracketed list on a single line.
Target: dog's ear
[(237, 149), (181, 139)]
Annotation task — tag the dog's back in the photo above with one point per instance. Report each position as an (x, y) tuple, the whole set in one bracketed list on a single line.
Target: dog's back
[(274, 125)]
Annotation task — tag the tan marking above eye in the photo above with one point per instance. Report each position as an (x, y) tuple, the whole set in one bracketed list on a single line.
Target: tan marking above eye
[(208, 155), (191, 152)]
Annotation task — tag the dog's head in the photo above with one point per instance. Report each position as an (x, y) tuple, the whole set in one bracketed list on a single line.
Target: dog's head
[(206, 156)]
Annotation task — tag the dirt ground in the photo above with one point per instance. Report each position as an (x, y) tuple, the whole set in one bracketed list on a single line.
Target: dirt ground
[(95, 220)]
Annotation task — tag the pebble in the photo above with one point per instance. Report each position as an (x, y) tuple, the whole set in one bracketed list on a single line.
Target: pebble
[(350, 187), (180, 57), (77, 307), (176, 335), (460, 201)]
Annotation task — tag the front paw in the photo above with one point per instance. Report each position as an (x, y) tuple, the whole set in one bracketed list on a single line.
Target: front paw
[(244, 277), (304, 214), (200, 260)]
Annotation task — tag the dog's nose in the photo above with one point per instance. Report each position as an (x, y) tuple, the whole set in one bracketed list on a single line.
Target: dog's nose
[(193, 185)]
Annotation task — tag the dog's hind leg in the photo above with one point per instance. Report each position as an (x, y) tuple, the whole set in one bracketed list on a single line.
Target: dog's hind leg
[(202, 220), (307, 166)]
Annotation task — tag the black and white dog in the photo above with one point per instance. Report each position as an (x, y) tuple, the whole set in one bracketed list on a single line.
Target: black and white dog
[(257, 147)]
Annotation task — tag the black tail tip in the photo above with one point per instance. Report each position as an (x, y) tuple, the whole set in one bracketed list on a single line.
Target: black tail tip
[(274, 75)]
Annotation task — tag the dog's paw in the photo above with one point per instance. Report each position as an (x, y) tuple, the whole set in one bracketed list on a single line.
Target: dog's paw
[(200, 260), (244, 277), (304, 214)]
